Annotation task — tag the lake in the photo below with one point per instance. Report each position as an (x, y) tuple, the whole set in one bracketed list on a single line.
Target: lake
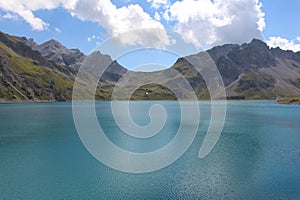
[(256, 157)]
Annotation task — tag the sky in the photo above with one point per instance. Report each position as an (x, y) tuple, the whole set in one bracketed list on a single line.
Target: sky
[(86, 24)]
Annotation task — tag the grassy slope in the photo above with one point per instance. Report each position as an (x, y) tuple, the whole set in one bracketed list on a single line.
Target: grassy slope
[(289, 100), (256, 86), (47, 84)]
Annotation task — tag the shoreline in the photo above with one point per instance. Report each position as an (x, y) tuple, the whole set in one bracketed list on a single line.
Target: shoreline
[(289, 100), (70, 101), (10, 102)]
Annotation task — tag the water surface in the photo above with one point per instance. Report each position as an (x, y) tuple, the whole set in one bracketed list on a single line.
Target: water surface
[(256, 157)]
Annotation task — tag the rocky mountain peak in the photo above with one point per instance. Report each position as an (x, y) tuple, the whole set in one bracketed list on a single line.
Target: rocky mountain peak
[(29, 42), (257, 45), (53, 45), (257, 42), (101, 63), (58, 53), (218, 51)]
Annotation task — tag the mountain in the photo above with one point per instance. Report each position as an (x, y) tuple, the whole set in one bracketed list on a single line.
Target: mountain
[(251, 71), (25, 75), (56, 52), (46, 72), (255, 71), (73, 58)]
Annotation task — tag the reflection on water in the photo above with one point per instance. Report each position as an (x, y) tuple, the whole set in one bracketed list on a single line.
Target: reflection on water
[(257, 156)]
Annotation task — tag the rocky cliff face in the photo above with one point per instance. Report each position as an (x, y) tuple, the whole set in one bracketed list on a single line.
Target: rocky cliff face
[(73, 58), (254, 71), (56, 52)]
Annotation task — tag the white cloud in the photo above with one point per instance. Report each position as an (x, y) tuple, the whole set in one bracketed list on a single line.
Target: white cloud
[(121, 20), (35, 22), (10, 16), (284, 44), (25, 8), (40, 4), (157, 16), (91, 38), (57, 30), (156, 4), (114, 20), (206, 23)]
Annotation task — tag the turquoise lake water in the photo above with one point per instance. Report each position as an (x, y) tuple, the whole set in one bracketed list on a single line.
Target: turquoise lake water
[(256, 157)]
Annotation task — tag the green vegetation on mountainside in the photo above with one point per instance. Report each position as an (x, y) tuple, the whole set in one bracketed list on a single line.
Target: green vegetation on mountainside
[(23, 78), (289, 100)]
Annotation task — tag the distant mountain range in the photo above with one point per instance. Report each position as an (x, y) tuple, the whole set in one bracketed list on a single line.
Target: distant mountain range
[(46, 72)]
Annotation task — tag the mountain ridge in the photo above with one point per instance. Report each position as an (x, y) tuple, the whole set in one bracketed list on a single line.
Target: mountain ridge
[(249, 71)]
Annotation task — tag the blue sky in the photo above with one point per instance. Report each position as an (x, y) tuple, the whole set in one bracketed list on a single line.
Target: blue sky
[(282, 18), (84, 24)]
